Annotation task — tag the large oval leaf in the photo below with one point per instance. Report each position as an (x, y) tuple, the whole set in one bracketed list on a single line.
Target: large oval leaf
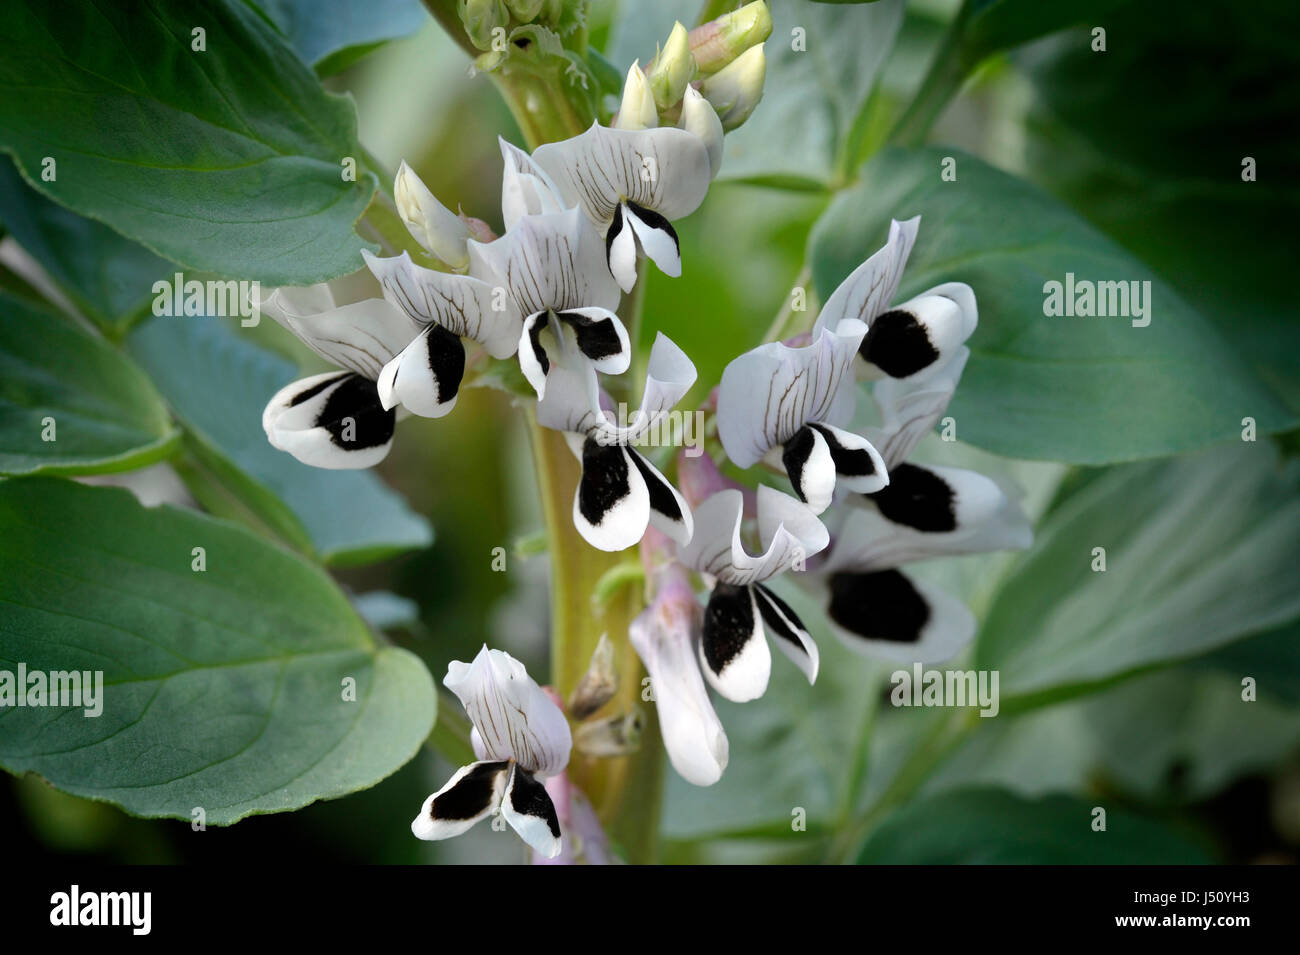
[(69, 402), (223, 689), (1087, 390), (229, 158)]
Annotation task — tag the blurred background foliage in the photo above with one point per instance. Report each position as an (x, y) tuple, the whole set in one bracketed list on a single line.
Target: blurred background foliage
[(1144, 142)]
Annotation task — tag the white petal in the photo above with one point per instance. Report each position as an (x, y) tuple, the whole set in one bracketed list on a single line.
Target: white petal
[(872, 285), (465, 306), (733, 652), (788, 530), (657, 239), (664, 169), (665, 636), (637, 109), (808, 464), (332, 421), (425, 378), (287, 300), (600, 337), (918, 338), (787, 632), (529, 810), (362, 337), (525, 188), (611, 507), (890, 616), (533, 360), (469, 797), (431, 223), (620, 248), (858, 465), (669, 512), (769, 393), (700, 118), (554, 261), (515, 718), (910, 409)]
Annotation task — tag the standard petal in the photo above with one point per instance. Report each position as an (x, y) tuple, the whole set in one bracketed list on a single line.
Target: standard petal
[(733, 652), (525, 188), (872, 285), (888, 615), (769, 393), (529, 810), (664, 169), (465, 306), (425, 378), (514, 717), (362, 337), (919, 337), (664, 636), (787, 631), (611, 508), (469, 797), (431, 223), (333, 421), (788, 530), (546, 262), (669, 512), (910, 409)]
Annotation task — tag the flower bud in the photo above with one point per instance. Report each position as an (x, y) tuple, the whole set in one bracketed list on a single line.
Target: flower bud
[(525, 11), (432, 224), (717, 43), (637, 111), (672, 69), (700, 118), (735, 90), (481, 17)]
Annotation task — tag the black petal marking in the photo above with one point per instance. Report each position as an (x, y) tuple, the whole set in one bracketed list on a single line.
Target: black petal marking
[(470, 797), (446, 361), (604, 481), (655, 221), (597, 338), (354, 417), (776, 612), (851, 462), (615, 227), (898, 344), (728, 625), (316, 389), (878, 606), (529, 797), (795, 454), (662, 498), (535, 339), (917, 498)]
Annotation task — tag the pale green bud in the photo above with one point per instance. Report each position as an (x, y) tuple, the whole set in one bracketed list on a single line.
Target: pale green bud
[(431, 223), (525, 11), (719, 42), (637, 110), (736, 90), (672, 69), (481, 18)]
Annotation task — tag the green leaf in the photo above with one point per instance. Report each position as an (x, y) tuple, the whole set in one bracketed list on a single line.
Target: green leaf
[(222, 689), (1121, 137), (60, 381), (1084, 390), (228, 159), (218, 383), (108, 278), (333, 34), (990, 26), (1199, 551), (992, 827)]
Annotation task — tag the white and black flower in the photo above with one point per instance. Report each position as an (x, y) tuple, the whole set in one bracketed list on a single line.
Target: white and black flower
[(520, 737)]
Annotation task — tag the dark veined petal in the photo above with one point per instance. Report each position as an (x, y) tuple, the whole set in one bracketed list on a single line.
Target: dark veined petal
[(787, 631), (733, 652), (469, 797), (334, 420), (425, 378), (887, 614), (611, 508), (870, 288), (528, 808)]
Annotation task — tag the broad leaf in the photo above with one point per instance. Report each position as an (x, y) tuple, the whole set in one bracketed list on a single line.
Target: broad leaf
[(224, 688), (1198, 552), (993, 827), (69, 402), (107, 277), (229, 159), (333, 34), (218, 383), (1088, 390)]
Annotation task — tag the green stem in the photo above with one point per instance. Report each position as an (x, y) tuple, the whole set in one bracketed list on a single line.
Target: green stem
[(948, 71)]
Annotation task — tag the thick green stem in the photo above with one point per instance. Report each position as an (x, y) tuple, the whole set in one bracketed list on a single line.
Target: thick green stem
[(948, 71)]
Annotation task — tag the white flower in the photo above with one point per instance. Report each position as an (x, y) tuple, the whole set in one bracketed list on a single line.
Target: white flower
[(520, 737), (620, 492), (336, 420), (732, 650), (797, 400), (630, 183)]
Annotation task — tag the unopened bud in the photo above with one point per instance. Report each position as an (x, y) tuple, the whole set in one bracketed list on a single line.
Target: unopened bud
[(479, 231), (637, 111), (736, 90), (525, 11), (719, 42), (700, 118), (612, 736), (431, 223), (481, 17), (672, 69), (598, 685)]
